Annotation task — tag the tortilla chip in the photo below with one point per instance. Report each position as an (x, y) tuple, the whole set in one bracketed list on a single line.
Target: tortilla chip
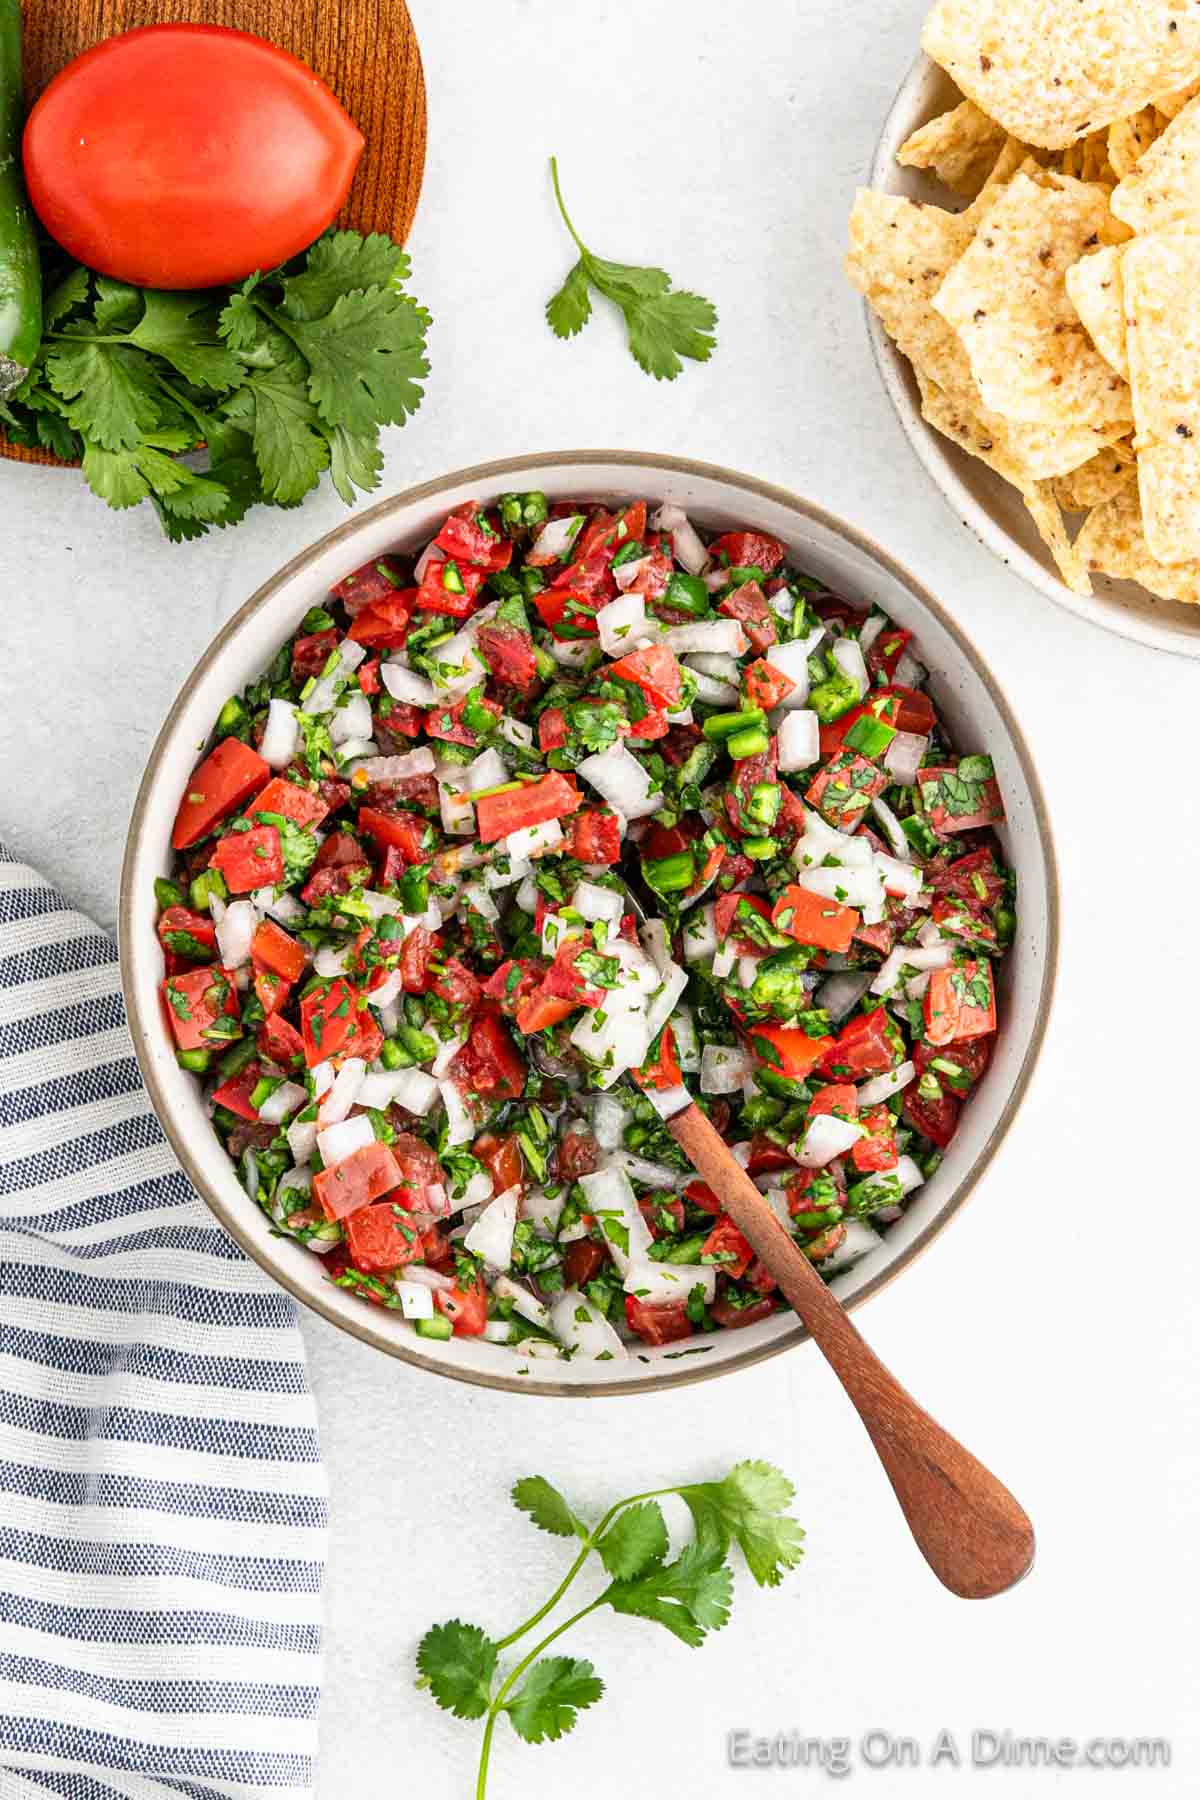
[(1046, 514), (1165, 184), (1113, 542), (1006, 297), (1050, 71), (1161, 276), (966, 429), (899, 256), (960, 148), (1129, 139), (1087, 159), (1169, 105), (1112, 472), (1094, 286)]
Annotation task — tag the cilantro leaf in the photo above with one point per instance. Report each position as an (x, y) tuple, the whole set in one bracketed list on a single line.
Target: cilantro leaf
[(568, 311), (290, 449), (354, 461), (662, 324), (364, 359), (118, 305), (635, 1541), (546, 1507), (551, 1697), (690, 1596), (239, 321), (338, 263), (458, 1662), (70, 292), (113, 397), (182, 329), (749, 1507)]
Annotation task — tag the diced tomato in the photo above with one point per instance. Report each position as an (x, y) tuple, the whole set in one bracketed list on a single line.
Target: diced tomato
[(234, 1094), (374, 581), (340, 865), (751, 772), (415, 953), (229, 775), (652, 581), (649, 728), (466, 537), (328, 1020), (811, 919), (944, 813), (191, 936), (843, 790), (886, 651), (368, 676), (747, 550), (382, 1237), (653, 1207), (660, 1323), (968, 1061), (656, 671), (836, 1097), (512, 983), (701, 1195), (465, 1307), (533, 803), (583, 1262), (748, 605), (734, 1318), (275, 949), (877, 1150), (450, 588), (358, 1179), (730, 916), (271, 991), (552, 729), (765, 685), (973, 878), (707, 870), (866, 1046), (488, 1062), (786, 1049), (310, 654), (977, 999), (540, 1010), (766, 1156), (935, 1119), (250, 859), (593, 837), (879, 937), (726, 1246), (568, 612), (446, 722), (366, 1040), (942, 1007), (386, 622), (280, 1042), (291, 801), (661, 1071), (402, 831), (397, 722), (965, 921), (508, 653), (910, 710), (501, 1156), (194, 1002)]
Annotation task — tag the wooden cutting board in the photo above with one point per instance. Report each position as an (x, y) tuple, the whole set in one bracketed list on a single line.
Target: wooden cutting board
[(364, 50)]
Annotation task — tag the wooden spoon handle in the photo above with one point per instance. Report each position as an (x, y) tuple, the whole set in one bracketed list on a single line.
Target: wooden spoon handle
[(975, 1537)]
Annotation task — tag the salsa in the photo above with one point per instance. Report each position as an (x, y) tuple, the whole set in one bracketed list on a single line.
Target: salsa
[(518, 838)]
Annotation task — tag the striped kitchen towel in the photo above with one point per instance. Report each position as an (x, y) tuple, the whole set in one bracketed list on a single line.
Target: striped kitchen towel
[(162, 1501)]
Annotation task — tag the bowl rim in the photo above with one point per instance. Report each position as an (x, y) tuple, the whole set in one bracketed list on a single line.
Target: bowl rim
[(486, 474), (933, 452)]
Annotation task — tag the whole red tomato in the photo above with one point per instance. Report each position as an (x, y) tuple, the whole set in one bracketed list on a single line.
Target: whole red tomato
[(183, 156)]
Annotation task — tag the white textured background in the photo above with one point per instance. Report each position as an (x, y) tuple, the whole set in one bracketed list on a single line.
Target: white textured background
[(1055, 1326)]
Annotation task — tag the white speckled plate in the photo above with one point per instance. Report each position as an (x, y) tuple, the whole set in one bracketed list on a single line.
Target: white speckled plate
[(988, 506)]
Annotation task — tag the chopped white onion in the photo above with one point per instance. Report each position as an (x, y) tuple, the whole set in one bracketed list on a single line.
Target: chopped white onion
[(660, 1283), (555, 538), (609, 1195), (871, 629), (620, 623), (904, 756), (859, 1241), (525, 1303), (687, 1044), (700, 935), (892, 830), (715, 637), (287, 1098), (578, 1326), (621, 780), (799, 741), (515, 732), (850, 660), (328, 961), (827, 1136), (457, 810), (668, 1101), (491, 1236), (235, 929), (533, 840), (910, 956), (724, 959), (351, 720), (882, 1087), (723, 1068), (460, 1127), (791, 659), (712, 691), (398, 768), (343, 1093), (685, 540), (596, 902), (902, 879), (302, 1138), (909, 672), (724, 668), (416, 1300), (608, 1121), (626, 573), (337, 1141), (576, 653), (278, 904), (430, 1278), (475, 895), (405, 685), (860, 888), (650, 1174), (281, 738), (544, 1211)]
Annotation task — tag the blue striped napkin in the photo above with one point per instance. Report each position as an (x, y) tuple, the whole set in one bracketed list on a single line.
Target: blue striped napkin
[(162, 1501)]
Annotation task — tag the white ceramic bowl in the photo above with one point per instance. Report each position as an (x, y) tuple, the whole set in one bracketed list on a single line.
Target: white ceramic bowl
[(967, 698), (987, 505)]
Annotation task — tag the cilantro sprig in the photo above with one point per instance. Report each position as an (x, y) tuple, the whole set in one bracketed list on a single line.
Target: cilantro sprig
[(690, 1594), (662, 323), (276, 382)]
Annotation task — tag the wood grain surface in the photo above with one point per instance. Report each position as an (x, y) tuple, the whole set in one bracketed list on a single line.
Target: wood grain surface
[(972, 1533), (366, 51)]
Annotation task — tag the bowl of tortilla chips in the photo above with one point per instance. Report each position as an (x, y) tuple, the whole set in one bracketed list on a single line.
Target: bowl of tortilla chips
[(1029, 250)]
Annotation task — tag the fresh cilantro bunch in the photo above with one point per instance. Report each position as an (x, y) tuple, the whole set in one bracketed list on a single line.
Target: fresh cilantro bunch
[(690, 1594), (274, 382), (662, 323)]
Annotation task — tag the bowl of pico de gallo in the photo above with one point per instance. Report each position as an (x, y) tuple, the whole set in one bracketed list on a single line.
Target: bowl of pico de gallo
[(534, 792)]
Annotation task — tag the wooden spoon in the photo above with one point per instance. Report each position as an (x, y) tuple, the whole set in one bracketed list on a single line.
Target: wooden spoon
[(968, 1527)]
